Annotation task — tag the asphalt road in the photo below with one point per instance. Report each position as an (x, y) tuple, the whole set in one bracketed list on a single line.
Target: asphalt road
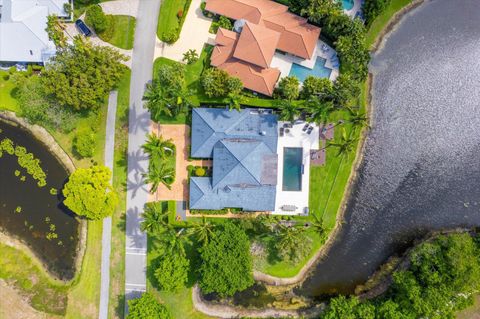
[(139, 122)]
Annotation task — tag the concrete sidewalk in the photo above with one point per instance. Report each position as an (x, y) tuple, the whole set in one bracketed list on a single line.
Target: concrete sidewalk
[(107, 222)]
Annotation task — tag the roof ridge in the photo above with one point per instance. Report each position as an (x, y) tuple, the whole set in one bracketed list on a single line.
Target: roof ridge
[(258, 45), (241, 162), (193, 180), (240, 118)]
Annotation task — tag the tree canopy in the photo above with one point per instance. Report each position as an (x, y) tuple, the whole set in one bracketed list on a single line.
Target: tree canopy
[(167, 95), (146, 307), (88, 192), (81, 75), (217, 83), (171, 270), (443, 275), (226, 262)]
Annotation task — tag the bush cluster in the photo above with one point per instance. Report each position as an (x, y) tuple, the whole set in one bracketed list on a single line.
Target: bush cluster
[(217, 83), (84, 142), (95, 18)]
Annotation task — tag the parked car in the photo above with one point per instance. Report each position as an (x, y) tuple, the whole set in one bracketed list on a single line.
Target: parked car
[(82, 27)]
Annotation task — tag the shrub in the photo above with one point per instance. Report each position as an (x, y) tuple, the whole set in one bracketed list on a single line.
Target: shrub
[(95, 18), (147, 307), (180, 14), (288, 88), (217, 83), (190, 57), (84, 142), (225, 23), (372, 8), (170, 36), (200, 171), (313, 86)]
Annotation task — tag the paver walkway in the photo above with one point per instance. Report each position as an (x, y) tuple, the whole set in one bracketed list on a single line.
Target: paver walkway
[(194, 35), (138, 127), (107, 222), (180, 134)]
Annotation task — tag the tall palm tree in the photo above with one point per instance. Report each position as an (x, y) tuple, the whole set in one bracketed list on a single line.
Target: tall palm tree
[(157, 147), (346, 143), (158, 173), (357, 118), (156, 102), (317, 224), (319, 111), (173, 240), (288, 111), (154, 218), (203, 231)]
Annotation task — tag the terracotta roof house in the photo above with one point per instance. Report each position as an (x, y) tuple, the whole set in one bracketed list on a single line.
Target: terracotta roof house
[(267, 27), (243, 145), (250, 62)]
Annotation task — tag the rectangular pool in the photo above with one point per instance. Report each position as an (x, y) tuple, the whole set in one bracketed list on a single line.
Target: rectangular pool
[(292, 168), (319, 70)]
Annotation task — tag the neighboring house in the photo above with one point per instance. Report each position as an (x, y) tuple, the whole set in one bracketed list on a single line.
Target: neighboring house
[(22, 29), (243, 146), (262, 28)]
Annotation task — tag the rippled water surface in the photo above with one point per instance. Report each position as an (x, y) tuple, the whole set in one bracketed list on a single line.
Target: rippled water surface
[(421, 169)]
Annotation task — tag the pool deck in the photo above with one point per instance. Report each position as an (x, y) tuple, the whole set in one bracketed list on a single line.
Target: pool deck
[(284, 61), (295, 138), (357, 7)]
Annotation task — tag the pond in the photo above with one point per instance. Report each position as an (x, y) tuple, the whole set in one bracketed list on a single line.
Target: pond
[(34, 214), (421, 167)]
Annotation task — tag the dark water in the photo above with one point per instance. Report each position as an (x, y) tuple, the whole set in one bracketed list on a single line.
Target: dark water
[(421, 170), (31, 224)]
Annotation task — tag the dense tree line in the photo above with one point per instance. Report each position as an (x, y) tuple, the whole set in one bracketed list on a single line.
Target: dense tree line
[(443, 276)]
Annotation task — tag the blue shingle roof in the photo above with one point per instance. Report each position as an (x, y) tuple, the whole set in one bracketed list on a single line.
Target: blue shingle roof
[(243, 146)]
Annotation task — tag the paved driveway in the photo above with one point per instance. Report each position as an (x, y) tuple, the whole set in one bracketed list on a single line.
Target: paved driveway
[(194, 35)]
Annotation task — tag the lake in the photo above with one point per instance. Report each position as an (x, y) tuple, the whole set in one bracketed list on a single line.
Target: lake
[(39, 209), (421, 169)]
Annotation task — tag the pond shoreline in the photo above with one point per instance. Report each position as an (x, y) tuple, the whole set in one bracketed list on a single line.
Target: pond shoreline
[(304, 271), (213, 309), (42, 135)]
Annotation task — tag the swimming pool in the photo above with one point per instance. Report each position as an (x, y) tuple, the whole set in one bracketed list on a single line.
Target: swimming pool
[(347, 4), (292, 168), (319, 70)]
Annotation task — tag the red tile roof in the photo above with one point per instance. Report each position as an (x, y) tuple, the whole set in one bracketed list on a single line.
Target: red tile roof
[(297, 36)]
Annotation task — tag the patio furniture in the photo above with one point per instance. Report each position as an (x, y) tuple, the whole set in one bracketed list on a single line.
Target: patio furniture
[(305, 127), (310, 129), (282, 130), (287, 130), (287, 125), (288, 208)]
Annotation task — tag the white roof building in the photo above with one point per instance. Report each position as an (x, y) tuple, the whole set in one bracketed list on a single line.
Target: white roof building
[(22, 29)]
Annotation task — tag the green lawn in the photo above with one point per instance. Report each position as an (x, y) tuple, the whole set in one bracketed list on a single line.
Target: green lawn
[(28, 275), (382, 20), (179, 303), (122, 31), (84, 297), (169, 19), (117, 261), (7, 89)]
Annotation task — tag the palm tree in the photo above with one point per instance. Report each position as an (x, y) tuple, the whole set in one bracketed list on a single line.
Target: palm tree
[(173, 240), (154, 218), (157, 147), (234, 101), (156, 102), (158, 173), (317, 224), (203, 231), (346, 143), (288, 111), (319, 111), (357, 118)]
